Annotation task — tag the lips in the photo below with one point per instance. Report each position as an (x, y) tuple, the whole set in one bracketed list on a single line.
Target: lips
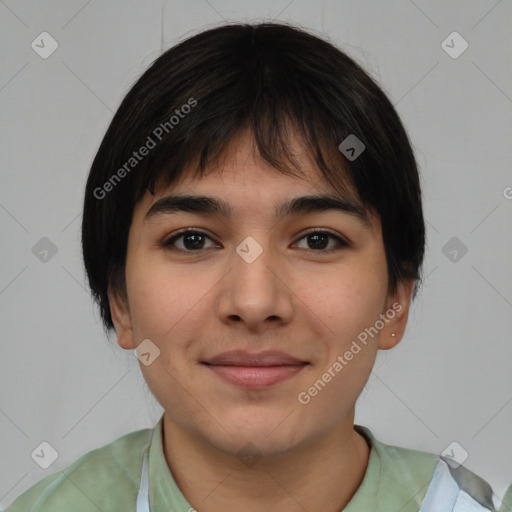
[(241, 358), (257, 370)]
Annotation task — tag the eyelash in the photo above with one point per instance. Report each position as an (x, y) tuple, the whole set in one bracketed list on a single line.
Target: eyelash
[(341, 243)]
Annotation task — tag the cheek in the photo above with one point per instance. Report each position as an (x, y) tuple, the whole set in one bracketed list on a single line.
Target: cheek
[(348, 303), (164, 301), (346, 297), (347, 307), (151, 296)]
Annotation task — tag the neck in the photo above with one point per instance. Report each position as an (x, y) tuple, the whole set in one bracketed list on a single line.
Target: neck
[(324, 475)]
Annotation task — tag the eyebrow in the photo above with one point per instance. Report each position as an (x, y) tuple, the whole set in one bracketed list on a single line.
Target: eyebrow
[(205, 205)]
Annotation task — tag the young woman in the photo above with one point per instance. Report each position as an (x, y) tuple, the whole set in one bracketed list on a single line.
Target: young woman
[(253, 229)]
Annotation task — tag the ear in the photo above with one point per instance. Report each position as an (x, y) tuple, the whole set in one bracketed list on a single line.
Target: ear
[(122, 319), (396, 313)]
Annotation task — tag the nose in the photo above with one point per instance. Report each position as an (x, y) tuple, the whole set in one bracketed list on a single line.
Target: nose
[(257, 294)]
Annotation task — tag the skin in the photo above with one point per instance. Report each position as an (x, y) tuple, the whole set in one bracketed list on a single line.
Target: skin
[(194, 305)]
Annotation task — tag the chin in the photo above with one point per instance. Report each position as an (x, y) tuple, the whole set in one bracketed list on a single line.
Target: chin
[(266, 434), (255, 445)]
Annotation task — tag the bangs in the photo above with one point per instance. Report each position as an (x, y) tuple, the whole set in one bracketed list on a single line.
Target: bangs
[(276, 120), (288, 88)]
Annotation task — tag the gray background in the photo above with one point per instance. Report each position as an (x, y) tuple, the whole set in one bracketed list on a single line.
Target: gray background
[(449, 379)]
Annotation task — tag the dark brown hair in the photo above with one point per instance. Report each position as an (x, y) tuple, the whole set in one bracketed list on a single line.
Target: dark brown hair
[(197, 95)]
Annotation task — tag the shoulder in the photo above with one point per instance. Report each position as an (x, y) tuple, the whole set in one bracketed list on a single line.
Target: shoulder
[(437, 483), (506, 504), (454, 487), (398, 462), (106, 478)]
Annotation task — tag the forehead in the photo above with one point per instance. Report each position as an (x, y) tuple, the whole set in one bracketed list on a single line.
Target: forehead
[(242, 183), (240, 167)]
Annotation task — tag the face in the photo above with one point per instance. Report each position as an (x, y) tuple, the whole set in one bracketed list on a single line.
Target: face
[(260, 319)]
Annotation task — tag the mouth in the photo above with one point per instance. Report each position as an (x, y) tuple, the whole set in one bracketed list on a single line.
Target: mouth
[(252, 371)]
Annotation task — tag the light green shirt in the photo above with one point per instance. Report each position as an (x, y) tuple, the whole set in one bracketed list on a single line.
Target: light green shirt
[(108, 479)]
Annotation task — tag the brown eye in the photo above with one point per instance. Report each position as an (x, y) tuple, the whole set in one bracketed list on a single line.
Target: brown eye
[(188, 241), (318, 241)]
